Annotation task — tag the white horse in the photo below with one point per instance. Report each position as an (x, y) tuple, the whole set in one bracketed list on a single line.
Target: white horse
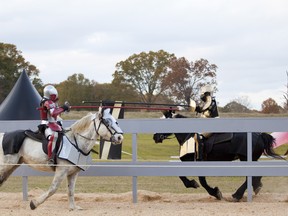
[(83, 132)]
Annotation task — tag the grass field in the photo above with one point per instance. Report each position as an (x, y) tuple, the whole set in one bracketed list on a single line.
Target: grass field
[(148, 151)]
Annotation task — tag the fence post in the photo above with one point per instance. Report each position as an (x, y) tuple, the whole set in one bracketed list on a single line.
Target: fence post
[(134, 159), (25, 187), (249, 160)]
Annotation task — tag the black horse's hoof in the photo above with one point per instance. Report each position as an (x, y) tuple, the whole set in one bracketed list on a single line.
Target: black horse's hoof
[(194, 184), (258, 189), (235, 198), (189, 183), (32, 205), (218, 194)]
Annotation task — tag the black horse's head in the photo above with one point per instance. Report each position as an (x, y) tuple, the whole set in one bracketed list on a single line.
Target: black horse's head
[(168, 114), (159, 137)]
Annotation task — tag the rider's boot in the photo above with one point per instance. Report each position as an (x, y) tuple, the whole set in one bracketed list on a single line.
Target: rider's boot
[(50, 150), (200, 140)]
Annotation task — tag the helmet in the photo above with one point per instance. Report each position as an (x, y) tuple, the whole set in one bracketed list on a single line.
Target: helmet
[(206, 88), (50, 92)]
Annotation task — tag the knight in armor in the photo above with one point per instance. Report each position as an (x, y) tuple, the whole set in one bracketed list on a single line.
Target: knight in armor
[(49, 113), (207, 109)]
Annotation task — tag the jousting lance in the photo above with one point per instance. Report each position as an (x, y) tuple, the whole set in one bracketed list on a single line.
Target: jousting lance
[(119, 107), (192, 104)]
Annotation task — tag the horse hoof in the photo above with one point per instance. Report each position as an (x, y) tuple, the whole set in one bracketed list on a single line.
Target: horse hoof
[(235, 198), (75, 208), (32, 205), (219, 195), (194, 184), (258, 189)]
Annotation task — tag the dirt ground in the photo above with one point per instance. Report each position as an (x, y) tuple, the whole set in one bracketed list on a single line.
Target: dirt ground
[(149, 203)]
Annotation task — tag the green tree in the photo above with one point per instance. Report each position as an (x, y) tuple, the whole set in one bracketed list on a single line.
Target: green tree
[(145, 73), (185, 78), (12, 63), (114, 92), (75, 89)]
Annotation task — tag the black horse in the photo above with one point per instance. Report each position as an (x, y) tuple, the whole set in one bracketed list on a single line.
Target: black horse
[(223, 147)]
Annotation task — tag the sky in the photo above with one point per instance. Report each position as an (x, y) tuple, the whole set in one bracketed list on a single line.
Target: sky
[(246, 39)]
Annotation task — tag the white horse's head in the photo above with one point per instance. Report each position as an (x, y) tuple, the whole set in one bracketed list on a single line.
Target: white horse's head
[(107, 127)]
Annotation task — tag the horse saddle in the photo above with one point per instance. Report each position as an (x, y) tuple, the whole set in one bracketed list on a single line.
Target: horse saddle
[(40, 137), (12, 141), (35, 135), (216, 138)]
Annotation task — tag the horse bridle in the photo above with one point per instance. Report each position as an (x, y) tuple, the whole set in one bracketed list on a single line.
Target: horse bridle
[(91, 139), (110, 128), (102, 121)]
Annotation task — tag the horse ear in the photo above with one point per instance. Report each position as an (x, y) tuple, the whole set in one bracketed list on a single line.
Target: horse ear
[(106, 111), (100, 112), (100, 109)]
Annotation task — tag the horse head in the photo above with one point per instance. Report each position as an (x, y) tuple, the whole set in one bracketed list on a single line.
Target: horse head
[(168, 114), (108, 128), (181, 137), (159, 137)]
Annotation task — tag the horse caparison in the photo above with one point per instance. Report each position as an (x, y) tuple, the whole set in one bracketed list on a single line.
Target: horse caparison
[(85, 131), (228, 150)]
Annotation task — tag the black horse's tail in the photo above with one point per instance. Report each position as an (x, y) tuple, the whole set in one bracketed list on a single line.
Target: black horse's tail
[(268, 146)]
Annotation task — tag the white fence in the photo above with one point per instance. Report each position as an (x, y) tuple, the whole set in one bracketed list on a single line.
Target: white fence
[(136, 168)]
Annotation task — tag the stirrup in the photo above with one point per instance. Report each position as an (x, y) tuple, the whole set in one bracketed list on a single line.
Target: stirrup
[(51, 161)]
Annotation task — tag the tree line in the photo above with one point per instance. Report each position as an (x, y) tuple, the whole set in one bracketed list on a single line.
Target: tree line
[(146, 77)]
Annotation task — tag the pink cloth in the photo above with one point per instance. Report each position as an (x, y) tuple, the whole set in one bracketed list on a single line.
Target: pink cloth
[(280, 138)]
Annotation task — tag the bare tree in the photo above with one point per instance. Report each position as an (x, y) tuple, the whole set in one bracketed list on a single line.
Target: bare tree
[(185, 78), (244, 101), (285, 104)]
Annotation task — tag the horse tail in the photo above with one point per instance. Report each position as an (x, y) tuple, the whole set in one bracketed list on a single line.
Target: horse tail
[(268, 146)]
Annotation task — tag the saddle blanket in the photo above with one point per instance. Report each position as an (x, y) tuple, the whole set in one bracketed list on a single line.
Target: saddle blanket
[(69, 152), (12, 141)]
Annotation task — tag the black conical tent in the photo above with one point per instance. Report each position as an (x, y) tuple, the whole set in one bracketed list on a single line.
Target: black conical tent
[(22, 101)]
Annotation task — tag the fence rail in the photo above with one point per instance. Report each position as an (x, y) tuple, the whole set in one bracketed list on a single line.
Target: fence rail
[(136, 168)]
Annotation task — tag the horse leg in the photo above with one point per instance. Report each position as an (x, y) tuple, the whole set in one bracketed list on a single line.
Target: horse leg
[(71, 188), (58, 178), (189, 183), (6, 172), (212, 191), (6, 169), (240, 192), (257, 184), (256, 181)]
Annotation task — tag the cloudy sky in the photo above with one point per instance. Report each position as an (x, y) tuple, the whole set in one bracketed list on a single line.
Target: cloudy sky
[(246, 39)]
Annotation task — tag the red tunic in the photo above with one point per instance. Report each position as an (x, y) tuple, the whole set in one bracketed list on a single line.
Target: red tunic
[(49, 113)]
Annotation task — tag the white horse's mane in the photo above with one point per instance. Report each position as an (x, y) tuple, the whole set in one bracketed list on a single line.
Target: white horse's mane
[(82, 124)]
